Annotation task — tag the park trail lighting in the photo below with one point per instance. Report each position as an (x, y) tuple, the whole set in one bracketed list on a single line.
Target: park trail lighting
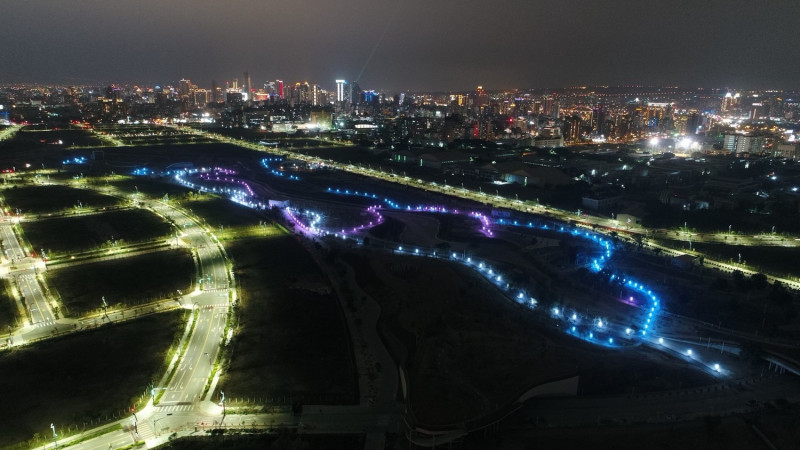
[(689, 352), (660, 340), (716, 367), (55, 436)]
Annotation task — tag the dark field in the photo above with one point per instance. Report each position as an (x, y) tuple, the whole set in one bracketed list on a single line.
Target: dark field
[(467, 348), (713, 434), (219, 212), (292, 338), (141, 135), (129, 281), (35, 137), (81, 380), (153, 188), (60, 236), (275, 441), (50, 199), (8, 309)]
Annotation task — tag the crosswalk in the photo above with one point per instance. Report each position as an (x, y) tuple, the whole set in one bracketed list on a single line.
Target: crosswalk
[(144, 431), (45, 323), (175, 408), (214, 306)]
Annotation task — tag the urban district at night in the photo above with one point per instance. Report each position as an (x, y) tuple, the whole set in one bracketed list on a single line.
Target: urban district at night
[(374, 225)]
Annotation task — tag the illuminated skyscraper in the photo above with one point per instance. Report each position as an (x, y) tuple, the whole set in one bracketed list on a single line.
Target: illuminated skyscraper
[(730, 101), (279, 87), (481, 97), (741, 143), (340, 90), (693, 122), (248, 86)]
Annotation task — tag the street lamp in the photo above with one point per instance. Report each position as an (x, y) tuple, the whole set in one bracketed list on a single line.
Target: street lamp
[(222, 393), (55, 436)]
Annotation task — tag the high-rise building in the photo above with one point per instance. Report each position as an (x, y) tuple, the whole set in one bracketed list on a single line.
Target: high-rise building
[(599, 116), (693, 122), (729, 102), (184, 87), (340, 95), (354, 94), (743, 143), (279, 88), (481, 97), (318, 95), (658, 116), (572, 129)]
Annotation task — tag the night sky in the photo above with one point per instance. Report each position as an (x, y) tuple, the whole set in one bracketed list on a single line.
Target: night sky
[(427, 45)]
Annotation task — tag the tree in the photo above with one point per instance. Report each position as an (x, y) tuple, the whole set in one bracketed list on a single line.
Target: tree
[(739, 280), (759, 280)]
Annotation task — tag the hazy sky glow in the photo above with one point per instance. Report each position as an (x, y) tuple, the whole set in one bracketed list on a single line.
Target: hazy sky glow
[(427, 44)]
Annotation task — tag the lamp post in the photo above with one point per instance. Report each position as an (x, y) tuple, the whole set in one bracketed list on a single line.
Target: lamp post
[(55, 436), (153, 393), (135, 425), (222, 393), (156, 420)]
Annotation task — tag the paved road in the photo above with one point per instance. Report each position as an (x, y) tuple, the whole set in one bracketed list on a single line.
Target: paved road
[(209, 306), (22, 269), (181, 406), (684, 404), (721, 237)]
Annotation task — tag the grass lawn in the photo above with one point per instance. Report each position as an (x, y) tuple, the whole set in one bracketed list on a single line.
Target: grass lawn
[(154, 188), (60, 236), (8, 308), (220, 213), (49, 199), (292, 338), (128, 280), (767, 259), (82, 379)]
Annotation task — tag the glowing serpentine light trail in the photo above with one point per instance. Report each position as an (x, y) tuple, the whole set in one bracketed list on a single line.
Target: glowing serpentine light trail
[(596, 330)]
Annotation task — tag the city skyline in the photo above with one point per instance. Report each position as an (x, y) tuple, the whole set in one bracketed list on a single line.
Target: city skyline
[(396, 47)]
